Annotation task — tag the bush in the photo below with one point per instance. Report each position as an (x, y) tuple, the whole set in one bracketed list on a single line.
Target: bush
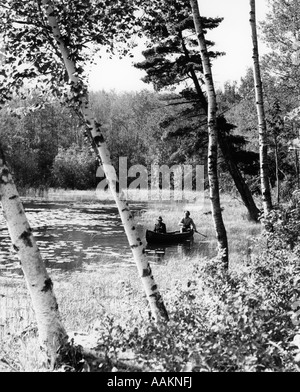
[(225, 321), (74, 168)]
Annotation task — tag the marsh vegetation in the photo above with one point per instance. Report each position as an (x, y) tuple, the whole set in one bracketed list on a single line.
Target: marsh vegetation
[(103, 306), (229, 301)]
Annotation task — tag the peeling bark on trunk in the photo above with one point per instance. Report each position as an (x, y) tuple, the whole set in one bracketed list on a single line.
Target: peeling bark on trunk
[(98, 143), (263, 147), (212, 140), (52, 334)]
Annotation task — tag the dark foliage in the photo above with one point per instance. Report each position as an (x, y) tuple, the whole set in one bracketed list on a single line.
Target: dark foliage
[(226, 322)]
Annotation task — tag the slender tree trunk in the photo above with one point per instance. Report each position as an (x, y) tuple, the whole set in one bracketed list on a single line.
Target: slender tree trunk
[(277, 170), (198, 88), (296, 161), (297, 168), (97, 140), (263, 147), (212, 139), (242, 187), (52, 334)]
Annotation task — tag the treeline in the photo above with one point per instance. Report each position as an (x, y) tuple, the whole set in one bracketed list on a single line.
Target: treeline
[(282, 129), (45, 145)]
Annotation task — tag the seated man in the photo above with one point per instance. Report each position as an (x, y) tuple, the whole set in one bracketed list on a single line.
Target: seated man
[(187, 223), (160, 227)]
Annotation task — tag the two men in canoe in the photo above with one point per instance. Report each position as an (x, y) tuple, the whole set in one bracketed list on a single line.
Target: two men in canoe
[(186, 224)]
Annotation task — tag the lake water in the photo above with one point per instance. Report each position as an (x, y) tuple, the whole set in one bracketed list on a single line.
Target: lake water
[(72, 235)]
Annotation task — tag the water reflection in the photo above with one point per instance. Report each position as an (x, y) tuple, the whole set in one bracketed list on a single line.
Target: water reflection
[(73, 235), (158, 251)]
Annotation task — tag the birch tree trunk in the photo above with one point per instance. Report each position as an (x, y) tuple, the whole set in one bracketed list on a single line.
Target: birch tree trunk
[(98, 143), (52, 334), (263, 147), (212, 139)]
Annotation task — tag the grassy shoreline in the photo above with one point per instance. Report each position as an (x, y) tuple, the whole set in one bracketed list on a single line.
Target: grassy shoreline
[(115, 292)]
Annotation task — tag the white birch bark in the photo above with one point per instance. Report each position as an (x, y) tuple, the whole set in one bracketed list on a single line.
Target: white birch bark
[(262, 127), (212, 139), (94, 130), (52, 334)]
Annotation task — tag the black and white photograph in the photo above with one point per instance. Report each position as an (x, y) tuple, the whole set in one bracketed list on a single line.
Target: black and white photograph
[(149, 189)]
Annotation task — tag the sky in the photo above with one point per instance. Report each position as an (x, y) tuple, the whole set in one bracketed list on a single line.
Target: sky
[(233, 36)]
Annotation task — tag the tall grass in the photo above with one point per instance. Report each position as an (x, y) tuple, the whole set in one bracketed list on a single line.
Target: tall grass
[(240, 231), (135, 195), (85, 298), (58, 194)]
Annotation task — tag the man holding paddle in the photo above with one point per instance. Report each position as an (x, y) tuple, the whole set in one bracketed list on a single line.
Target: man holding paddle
[(187, 223)]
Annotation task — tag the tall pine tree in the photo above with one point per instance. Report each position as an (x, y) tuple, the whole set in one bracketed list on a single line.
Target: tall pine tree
[(173, 59)]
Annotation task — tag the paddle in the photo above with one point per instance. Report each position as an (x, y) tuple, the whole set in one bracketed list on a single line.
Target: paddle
[(200, 233)]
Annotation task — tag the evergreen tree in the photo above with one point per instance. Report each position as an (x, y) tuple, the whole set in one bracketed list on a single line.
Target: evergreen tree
[(173, 59)]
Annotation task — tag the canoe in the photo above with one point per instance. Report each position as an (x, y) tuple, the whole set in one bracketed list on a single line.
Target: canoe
[(171, 237)]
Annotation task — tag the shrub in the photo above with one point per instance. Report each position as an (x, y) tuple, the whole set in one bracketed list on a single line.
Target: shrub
[(74, 168), (225, 321)]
